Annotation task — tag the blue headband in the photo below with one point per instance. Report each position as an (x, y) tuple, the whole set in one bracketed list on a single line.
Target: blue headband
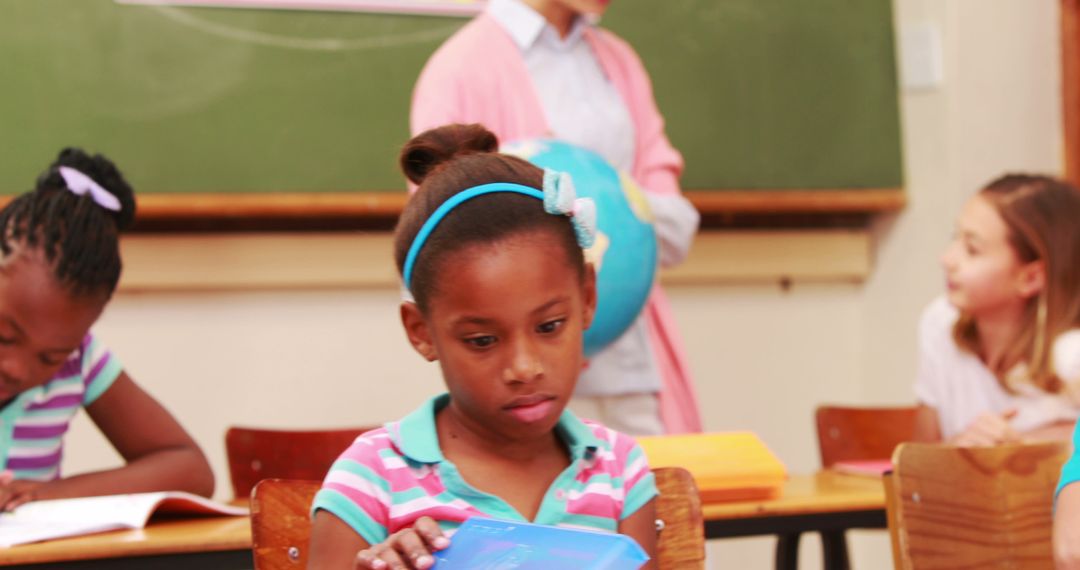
[(558, 197)]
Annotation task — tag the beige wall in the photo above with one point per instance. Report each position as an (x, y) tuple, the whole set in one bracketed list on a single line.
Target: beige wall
[(763, 357)]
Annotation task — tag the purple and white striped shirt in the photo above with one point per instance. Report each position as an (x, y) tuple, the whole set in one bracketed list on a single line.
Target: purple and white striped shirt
[(32, 425)]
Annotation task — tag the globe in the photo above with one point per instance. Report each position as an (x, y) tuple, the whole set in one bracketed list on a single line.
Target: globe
[(624, 254)]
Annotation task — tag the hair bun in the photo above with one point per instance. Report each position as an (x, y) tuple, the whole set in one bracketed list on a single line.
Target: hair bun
[(102, 171), (428, 150)]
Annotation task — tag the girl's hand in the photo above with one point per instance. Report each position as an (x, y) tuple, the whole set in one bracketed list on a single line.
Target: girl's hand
[(14, 493), (406, 549), (1058, 431), (988, 429), (1067, 529)]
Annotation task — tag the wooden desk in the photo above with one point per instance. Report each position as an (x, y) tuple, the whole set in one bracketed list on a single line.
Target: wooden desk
[(826, 502), (217, 543)]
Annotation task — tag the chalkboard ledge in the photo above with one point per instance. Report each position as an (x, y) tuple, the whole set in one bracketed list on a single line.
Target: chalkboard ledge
[(269, 211), (799, 201), (186, 262)]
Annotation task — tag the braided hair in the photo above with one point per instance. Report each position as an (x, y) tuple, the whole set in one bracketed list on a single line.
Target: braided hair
[(78, 237)]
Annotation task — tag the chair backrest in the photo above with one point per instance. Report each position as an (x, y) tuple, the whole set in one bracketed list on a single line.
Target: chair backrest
[(680, 544), (281, 524), (953, 507), (255, 454), (852, 434)]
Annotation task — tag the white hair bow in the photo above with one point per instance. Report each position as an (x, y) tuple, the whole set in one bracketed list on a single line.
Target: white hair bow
[(560, 197), (81, 184)]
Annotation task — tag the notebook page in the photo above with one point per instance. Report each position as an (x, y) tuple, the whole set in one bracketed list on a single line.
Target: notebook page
[(43, 520)]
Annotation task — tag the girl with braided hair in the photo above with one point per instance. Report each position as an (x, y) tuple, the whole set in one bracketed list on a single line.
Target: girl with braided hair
[(59, 266)]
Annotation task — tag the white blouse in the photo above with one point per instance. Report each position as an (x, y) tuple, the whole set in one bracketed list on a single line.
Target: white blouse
[(960, 387)]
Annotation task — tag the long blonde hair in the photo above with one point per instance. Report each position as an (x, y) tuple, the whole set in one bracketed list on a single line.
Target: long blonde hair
[(1041, 214)]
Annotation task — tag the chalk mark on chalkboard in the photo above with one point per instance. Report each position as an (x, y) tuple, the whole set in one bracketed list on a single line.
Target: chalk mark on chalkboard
[(309, 44)]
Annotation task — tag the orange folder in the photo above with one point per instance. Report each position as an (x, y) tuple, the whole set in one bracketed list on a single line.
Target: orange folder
[(731, 466)]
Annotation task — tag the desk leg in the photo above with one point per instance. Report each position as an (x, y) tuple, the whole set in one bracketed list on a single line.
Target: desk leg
[(834, 550), (787, 551)]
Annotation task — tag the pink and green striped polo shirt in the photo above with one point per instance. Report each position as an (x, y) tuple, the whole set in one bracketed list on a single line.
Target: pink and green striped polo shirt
[(33, 424), (394, 475)]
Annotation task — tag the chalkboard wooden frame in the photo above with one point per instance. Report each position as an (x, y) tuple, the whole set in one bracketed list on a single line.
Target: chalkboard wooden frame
[(364, 210), (1070, 85), (171, 206)]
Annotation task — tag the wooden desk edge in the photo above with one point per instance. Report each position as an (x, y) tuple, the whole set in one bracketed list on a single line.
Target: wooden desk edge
[(126, 543), (852, 493)]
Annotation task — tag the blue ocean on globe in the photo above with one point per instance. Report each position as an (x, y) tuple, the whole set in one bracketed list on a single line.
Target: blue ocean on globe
[(625, 249)]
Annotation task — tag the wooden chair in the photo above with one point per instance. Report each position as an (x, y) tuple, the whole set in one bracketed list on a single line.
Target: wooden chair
[(853, 434), (255, 454), (952, 507), (281, 525), (680, 544)]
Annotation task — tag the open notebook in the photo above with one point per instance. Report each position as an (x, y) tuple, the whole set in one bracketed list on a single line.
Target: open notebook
[(45, 520), (491, 544)]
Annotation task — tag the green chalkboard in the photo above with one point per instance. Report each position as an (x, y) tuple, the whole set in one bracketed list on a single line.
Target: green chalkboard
[(773, 93), (757, 93)]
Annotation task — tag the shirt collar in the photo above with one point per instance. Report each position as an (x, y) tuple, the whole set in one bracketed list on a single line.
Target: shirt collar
[(418, 439), (17, 405), (526, 25), (577, 436), (416, 435)]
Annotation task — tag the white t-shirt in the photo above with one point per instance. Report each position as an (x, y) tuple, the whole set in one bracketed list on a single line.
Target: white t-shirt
[(960, 387)]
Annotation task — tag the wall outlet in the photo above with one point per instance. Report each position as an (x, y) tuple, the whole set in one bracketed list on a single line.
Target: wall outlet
[(921, 65)]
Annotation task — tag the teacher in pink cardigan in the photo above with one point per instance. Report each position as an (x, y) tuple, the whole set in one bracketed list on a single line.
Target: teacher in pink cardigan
[(541, 68)]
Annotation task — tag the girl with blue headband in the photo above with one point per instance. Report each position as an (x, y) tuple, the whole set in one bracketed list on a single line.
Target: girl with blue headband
[(529, 69), (490, 249), (59, 266)]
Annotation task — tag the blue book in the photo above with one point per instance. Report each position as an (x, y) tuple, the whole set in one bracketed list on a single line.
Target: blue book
[(491, 544)]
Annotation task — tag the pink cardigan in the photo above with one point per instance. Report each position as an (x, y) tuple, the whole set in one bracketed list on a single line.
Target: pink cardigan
[(471, 79)]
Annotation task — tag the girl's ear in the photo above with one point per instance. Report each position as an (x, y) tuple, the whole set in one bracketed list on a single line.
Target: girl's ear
[(1032, 279), (590, 295), (417, 330)]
